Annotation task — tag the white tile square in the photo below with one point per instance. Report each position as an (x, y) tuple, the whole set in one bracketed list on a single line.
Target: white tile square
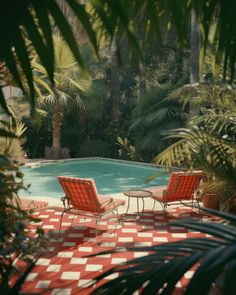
[(85, 283), (118, 260), (93, 267), (82, 220), (85, 249), (129, 230), (112, 276), (53, 268), (140, 254), (70, 275), (125, 239), (43, 284), (140, 244), (108, 244), (54, 220), (65, 254), (31, 276), (189, 274), (43, 261), (78, 260), (112, 226), (66, 224), (109, 235), (145, 235), (160, 239), (57, 240), (43, 216), (180, 235), (48, 226), (66, 291)]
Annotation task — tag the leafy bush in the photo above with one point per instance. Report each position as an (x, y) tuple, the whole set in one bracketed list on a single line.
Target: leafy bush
[(94, 148), (16, 244)]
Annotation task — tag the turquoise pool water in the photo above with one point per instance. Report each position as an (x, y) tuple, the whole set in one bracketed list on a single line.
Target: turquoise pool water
[(110, 176)]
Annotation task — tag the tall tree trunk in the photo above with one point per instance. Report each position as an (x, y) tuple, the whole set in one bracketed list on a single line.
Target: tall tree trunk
[(56, 131), (115, 82), (195, 50), (142, 70), (195, 61), (73, 20)]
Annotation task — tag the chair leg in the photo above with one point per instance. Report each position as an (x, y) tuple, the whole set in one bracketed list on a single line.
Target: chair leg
[(62, 218), (97, 223)]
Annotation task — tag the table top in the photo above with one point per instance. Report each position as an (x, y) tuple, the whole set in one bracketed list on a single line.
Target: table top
[(138, 193)]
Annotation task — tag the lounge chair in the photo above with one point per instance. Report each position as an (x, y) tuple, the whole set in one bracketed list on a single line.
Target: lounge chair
[(81, 194), (180, 189), (29, 204)]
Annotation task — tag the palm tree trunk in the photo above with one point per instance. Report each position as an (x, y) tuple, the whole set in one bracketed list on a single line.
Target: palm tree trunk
[(195, 50), (115, 82), (73, 20), (56, 131), (194, 60), (142, 70)]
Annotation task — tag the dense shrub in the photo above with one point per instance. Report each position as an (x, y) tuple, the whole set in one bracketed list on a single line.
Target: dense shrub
[(94, 148)]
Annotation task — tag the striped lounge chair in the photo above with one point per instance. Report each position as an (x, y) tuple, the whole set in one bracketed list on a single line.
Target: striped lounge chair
[(180, 189), (81, 194)]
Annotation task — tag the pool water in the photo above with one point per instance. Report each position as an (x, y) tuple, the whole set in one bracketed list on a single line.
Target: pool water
[(110, 176)]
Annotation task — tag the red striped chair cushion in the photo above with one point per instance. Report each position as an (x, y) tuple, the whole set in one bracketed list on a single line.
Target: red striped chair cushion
[(83, 195)]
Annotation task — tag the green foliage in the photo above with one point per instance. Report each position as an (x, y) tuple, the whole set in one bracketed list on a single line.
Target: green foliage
[(12, 145), (94, 148), (208, 143), (17, 246), (156, 112), (107, 17), (72, 138), (127, 151), (37, 138)]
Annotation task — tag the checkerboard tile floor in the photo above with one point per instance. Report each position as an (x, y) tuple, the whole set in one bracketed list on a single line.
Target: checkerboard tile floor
[(65, 268)]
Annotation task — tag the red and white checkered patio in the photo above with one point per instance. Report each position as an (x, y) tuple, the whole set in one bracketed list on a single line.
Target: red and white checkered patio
[(65, 268)]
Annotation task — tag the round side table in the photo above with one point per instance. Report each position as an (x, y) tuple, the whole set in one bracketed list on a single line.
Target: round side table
[(138, 194)]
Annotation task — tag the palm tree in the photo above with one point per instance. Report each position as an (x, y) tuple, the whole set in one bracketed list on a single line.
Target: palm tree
[(72, 86), (195, 50), (33, 19), (115, 81)]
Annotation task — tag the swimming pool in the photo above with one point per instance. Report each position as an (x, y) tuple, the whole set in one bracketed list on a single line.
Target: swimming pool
[(110, 176)]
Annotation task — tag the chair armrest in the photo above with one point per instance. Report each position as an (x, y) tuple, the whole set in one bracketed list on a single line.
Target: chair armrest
[(106, 202)]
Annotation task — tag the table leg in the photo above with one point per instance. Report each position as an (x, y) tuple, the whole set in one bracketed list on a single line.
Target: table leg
[(128, 205), (143, 204)]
